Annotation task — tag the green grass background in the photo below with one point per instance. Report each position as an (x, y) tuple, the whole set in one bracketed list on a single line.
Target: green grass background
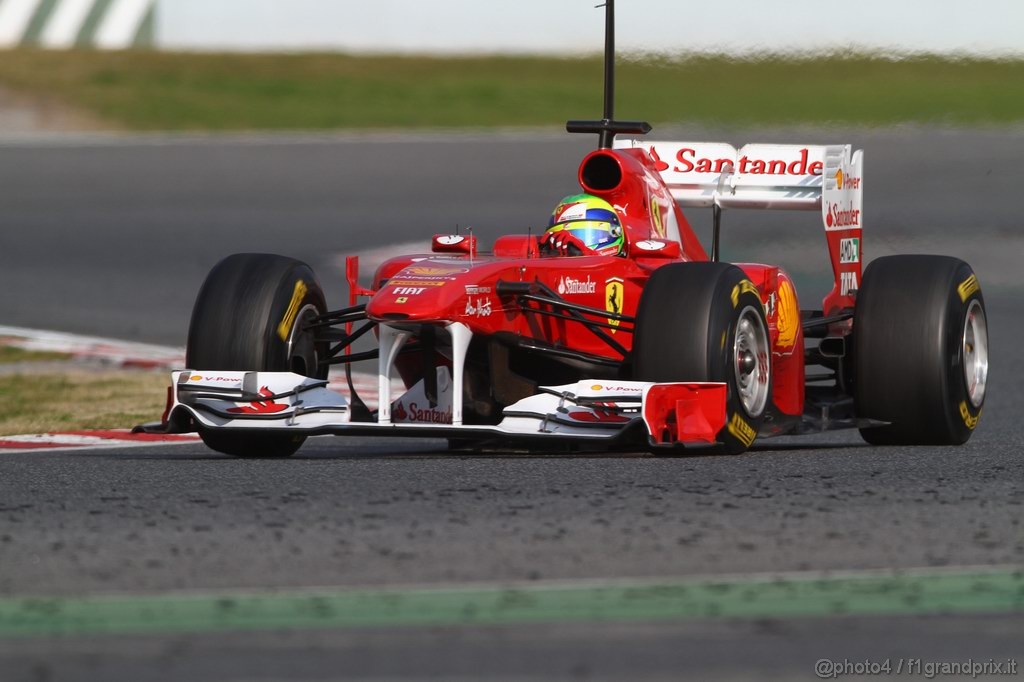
[(145, 90)]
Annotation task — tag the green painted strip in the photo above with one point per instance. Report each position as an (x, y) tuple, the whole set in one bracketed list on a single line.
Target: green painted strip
[(146, 35), (38, 22), (934, 593), (87, 34)]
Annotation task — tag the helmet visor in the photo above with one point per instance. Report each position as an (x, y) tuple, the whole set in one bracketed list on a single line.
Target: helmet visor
[(595, 234)]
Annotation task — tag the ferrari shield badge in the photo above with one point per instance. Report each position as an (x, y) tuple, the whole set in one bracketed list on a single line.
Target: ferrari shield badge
[(613, 297)]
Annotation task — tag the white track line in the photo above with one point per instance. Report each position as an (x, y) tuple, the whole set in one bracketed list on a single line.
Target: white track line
[(117, 352), (84, 440), (140, 355)]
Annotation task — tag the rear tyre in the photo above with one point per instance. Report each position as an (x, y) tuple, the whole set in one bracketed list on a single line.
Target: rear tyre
[(705, 322), (920, 350), (249, 316)]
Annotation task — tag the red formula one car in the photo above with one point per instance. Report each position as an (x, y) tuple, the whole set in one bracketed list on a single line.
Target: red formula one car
[(655, 345)]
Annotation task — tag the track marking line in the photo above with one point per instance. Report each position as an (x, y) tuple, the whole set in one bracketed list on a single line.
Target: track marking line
[(126, 354), (90, 440), (117, 353), (904, 592)]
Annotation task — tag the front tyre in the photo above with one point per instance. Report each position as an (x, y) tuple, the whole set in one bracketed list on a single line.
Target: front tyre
[(250, 315), (920, 350), (705, 322)]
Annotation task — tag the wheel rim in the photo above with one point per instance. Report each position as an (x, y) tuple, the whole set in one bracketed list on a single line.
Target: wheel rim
[(302, 344), (975, 353), (751, 361)]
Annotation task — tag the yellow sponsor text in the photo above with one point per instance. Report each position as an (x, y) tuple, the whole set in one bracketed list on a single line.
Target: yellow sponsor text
[(416, 282)]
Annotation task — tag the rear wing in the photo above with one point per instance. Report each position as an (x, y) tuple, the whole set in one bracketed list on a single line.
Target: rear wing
[(772, 176), (827, 178)]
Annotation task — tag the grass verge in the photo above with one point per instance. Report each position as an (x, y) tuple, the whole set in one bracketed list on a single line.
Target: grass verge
[(168, 91), (9, 354), (80, 399)]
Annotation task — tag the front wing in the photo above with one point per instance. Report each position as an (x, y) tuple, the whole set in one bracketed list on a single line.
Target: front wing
[(590, 411)]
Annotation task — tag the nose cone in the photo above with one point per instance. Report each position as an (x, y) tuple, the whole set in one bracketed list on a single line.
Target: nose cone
[(407, 302), (423, 292)]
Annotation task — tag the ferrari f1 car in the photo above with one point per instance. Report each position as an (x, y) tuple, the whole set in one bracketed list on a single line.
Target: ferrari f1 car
[(660, 346)]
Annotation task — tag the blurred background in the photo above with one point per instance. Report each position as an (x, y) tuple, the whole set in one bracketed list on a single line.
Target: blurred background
[(988, 27), (306, 64)]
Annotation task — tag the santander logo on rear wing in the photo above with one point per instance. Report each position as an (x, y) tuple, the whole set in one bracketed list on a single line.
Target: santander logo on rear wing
[(772, 176), (826, 178)]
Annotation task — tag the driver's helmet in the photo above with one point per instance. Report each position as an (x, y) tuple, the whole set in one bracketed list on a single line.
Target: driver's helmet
[(590, 219)]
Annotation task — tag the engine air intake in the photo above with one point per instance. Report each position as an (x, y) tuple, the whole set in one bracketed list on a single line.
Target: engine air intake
[(600, 172)]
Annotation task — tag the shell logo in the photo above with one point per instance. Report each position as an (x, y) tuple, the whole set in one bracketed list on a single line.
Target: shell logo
[(195, 377), (433, 271), (596, 387), (787, 319), (839, 178)]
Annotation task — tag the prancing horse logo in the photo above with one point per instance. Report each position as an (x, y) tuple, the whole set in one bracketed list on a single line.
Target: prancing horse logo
[(613, 299)]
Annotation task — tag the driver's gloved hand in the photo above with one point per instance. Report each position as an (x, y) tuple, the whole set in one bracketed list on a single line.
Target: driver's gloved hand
[(562, 243)]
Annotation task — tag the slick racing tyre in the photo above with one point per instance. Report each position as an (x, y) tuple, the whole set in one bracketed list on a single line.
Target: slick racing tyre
[(920, 350), (705, 322), (249, 315)]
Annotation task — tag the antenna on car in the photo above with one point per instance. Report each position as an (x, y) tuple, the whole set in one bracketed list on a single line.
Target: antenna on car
[(607, 128)]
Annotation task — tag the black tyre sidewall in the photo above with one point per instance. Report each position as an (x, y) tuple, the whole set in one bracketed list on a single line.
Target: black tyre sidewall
[(686, 331), (908, 350), (235, 320), (234, 327)]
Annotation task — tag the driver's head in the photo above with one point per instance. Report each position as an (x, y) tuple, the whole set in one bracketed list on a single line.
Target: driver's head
[(591, 220)]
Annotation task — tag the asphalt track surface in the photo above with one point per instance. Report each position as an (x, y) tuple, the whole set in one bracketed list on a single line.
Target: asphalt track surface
[(114, 237)]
